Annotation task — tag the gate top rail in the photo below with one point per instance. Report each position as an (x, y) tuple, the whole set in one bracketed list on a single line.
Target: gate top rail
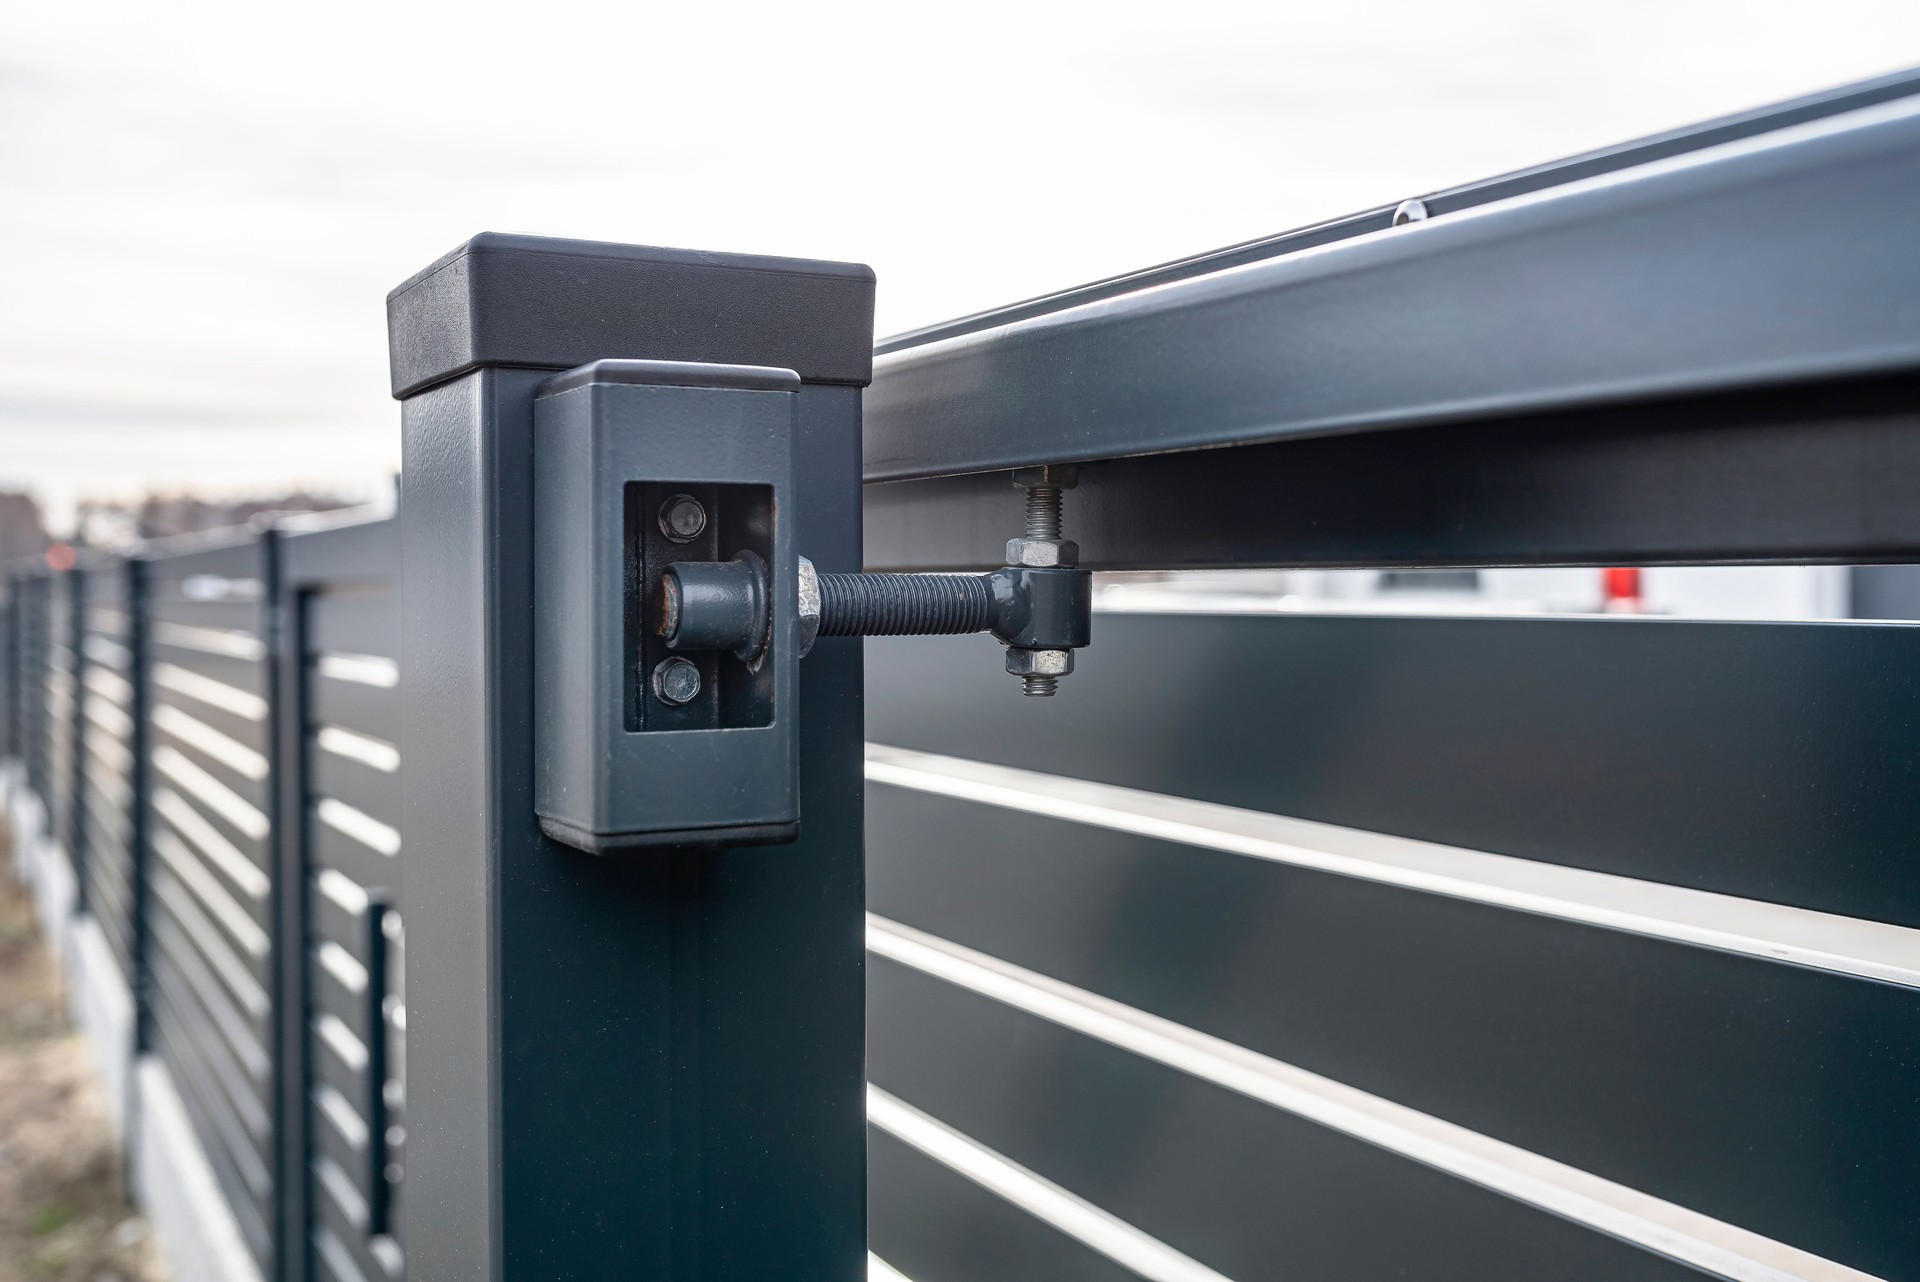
[(1651, 270)]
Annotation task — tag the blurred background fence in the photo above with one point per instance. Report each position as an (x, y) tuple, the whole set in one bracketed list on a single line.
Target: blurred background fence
[(207, 803)]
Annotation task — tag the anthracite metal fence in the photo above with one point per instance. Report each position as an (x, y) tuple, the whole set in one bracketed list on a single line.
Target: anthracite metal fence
[(1275, 945)]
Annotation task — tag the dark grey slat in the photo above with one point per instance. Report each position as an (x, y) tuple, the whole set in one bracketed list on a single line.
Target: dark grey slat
[(256, 792), (211, 1071), (232, 553), (245, 731), (351, 1238), (355, 620), (249, 675), (172, 898), (1239, 1186), (330, 1068), (109, 902), (107, 888), (228, 1034), (330, 996), (226, 616), (332, 1143), (936, 1226), (329, 921), (257, 909), (107, 830), (371, 791), (1773, 1097), (203, 1115), (119, 937), (1769, 761), (366, 866), (109, 792), (369, 710)]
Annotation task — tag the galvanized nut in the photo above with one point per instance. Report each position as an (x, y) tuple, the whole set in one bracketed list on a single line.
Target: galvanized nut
[(676, 681), (1043, 553), (809, 606), (1039, 663), (682, 518)]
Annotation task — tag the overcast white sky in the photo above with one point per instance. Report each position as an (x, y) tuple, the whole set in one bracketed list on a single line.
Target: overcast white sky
[(204, 203)]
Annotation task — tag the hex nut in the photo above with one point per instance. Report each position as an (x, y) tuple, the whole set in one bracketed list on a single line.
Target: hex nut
[(1043, 553), (1039, 663), (809, 606), (682, 519), (676, 681)]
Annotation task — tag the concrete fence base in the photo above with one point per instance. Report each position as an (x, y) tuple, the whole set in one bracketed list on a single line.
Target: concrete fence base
[(169, 1172)]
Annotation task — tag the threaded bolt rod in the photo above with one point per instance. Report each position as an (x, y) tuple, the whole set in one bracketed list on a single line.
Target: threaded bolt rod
[(1043, 512), (901, 605), (1035, 684)]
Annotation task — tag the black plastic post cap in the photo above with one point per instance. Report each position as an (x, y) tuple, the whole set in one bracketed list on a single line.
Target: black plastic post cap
[(534, 302)]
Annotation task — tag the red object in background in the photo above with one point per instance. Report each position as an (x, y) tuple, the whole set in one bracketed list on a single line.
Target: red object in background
[(1620, 589), (60, 556)]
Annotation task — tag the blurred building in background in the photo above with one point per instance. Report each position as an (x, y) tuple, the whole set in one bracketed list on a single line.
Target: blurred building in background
[(112, 523), (22, 531)]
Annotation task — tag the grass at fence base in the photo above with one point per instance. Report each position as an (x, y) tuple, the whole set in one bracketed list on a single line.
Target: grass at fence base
[(63, 1213)]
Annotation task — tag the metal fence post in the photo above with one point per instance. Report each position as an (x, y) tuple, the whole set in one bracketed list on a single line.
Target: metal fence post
[(76, 798), (140, 784), (10, 669), (286, 737), (647, 1065)]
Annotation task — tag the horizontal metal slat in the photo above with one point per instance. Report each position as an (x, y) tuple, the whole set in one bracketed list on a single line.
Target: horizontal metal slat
[(1699, 754), (1735, 1085), (374, 671), (238, 1170), (197, 716), (366, 621), (1251, 1189), (226, 1105), (362, 788), (936, 1225), (238, 867), (228, 1037), (356, 706), (218, 644), (1777, 932), (235, 923), (244, 767), (336, 820), (209, 692), (242, 977), (245, 818)]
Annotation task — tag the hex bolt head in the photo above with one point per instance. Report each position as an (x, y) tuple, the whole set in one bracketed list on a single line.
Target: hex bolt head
[(1043, 553), (1039, 663), (676, 681), (809, 601), (1039, 670), (682, 519)]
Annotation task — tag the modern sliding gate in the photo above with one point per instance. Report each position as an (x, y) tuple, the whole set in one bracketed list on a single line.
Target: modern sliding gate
[(1277, 944)]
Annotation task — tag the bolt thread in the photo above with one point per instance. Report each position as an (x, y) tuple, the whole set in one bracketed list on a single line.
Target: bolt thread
[(1037, 685), (901, 605), (1043, 512)]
